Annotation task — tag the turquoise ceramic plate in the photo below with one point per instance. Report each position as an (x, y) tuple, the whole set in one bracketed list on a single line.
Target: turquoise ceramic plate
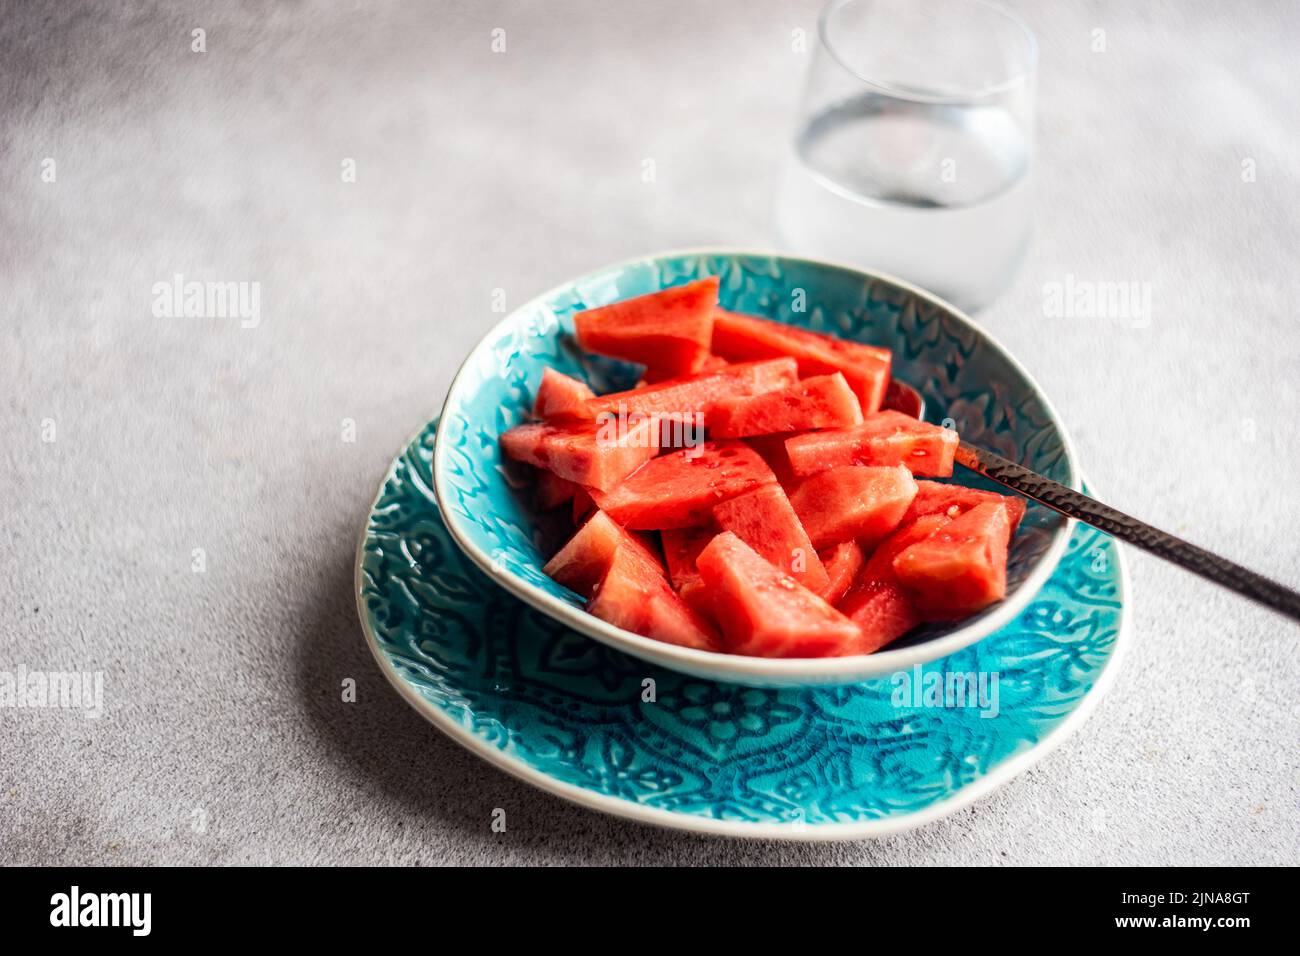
[(964, 375), (612, 732)]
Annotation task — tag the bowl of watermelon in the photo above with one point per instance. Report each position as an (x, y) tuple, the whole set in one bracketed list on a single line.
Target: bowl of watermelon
[(692, 458)]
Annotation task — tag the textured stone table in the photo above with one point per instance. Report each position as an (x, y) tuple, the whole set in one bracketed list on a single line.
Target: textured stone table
[(224, 739)]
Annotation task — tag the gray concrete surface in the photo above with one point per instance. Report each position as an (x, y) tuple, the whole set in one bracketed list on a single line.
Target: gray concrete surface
[(223, 738)]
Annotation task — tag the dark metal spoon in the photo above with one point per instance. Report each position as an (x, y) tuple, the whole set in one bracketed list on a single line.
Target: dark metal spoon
[(1073, 504)]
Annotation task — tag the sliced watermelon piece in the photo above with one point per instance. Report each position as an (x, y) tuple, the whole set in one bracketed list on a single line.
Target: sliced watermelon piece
[(880, 563), (823, 401), (843, 564), (900, 398), (934, 497), (552, 490), (745, 337), (772, 449), (714, 363), (583, 561), (876, 602), (669, 332), (559, 394), (637, 598), (853, 503), (582, 505), (960, 569), (687, 396), (764, 520), (679, 489), (764, 612), (584, 452), (682, 546), (886, 438)]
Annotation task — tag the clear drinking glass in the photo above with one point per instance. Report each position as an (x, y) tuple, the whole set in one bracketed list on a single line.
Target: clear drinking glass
[(914, 144)]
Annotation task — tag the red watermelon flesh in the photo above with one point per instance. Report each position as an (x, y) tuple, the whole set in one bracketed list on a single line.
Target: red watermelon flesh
[(637, 598), (583, 561), (584, 452), (764, 520), (772, 449), (900, 398), (886, 438), (679, 489), (684, 396), (934, 497), (764, 612), (843, 563), (582, 504), (559, 394), (853, 503), (681, 548), (882, 612), (960, 569), (713, 363), (552, 490), (823, 401), (745, 337), (880, 562), (876, 602), (669, 331)]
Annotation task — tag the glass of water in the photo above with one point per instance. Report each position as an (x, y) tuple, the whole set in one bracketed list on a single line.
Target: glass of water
[(914, 144)]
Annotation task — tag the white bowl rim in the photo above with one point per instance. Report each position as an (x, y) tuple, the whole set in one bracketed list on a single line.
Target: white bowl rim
[(734, 668), (794, 831)]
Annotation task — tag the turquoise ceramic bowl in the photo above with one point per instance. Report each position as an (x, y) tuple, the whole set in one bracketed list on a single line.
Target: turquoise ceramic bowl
[(963, 374)]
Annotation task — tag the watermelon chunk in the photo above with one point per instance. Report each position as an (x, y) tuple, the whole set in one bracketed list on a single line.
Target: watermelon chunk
[(764, 520), (637, 598), (669, 332), (713, 363), (764, 612), (584, 452), (679, 489), (900, 398), (559, 394), (745, 337), (960, 569), (552, 490), (934, 497), (823, 401), (689, 395), (876, 602), (886, 438), (682, 546), (772, 450), (856, 502), (582, 504), (880, 563), (583, 561), (843, 563)]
